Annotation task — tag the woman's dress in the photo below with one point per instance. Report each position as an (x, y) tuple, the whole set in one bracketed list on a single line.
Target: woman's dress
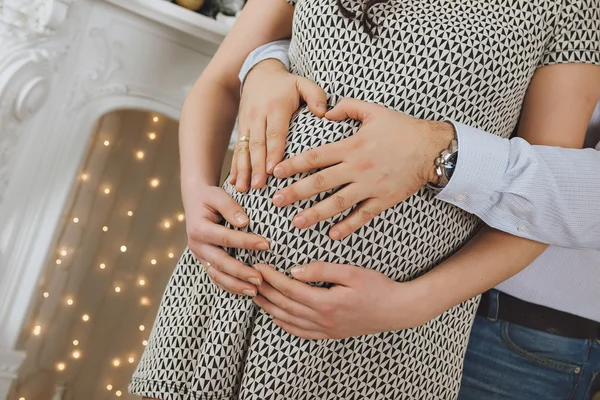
[(466, 60)]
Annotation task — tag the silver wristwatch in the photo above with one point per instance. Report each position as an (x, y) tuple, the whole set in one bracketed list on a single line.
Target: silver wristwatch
[(444, 166)]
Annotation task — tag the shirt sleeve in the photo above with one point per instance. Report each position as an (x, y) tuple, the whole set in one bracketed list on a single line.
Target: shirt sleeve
[(576, 34), (547, 194), (277, 50)]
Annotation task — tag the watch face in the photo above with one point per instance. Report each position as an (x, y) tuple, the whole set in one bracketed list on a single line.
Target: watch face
[(451, 164)]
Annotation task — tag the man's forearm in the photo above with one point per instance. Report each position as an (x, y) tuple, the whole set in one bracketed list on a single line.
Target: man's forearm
[(489, 258), (543, 193)]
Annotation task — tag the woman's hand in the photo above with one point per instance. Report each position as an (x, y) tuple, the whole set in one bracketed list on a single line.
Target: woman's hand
[(362, 301), (206, 237), (386, 161), (270, 97)]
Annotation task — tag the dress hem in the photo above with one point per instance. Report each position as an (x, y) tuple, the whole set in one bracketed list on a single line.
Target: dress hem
[(162, 390)]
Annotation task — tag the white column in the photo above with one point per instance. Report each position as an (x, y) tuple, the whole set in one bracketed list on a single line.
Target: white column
[(32, 45)]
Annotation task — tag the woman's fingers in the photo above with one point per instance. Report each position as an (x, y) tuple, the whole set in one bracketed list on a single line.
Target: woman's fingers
[(229, 283), (223, 205), (326, 179), (243, 163), (278, 123), (258, 153), (229, 273), (351, 108), (313, 95), (233, 171)]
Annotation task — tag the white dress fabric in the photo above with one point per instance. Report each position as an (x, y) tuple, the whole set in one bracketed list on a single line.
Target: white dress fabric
[(466, 60)]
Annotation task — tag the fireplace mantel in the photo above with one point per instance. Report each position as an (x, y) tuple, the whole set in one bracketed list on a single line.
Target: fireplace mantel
[(63, 64), (178, 18)]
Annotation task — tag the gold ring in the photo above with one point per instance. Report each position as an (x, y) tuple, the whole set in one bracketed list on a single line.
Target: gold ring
[(207, 266), (244, 139)]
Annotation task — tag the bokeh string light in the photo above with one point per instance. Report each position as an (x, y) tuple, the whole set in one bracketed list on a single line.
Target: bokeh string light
[(91, 181)]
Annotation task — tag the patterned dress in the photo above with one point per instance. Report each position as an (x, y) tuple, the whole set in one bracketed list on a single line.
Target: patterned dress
[(466, 60)]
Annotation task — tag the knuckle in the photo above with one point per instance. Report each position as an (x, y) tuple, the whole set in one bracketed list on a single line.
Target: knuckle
[(328, 324), (326, 310), (272, 133), (273, 103), (286, 292), (340, 201), (253, 112), (196, 234), (367, 214), (312, 157), (225, 241), (287, 309), (357, 143), (256, 144), (293, 194), (319, 181)]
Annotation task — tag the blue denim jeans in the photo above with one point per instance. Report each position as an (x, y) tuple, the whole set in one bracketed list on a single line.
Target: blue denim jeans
[(509, 362)]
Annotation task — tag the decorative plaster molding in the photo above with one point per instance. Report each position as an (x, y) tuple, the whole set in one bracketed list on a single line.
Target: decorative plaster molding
[(97, 82), (25, 84), (26, 19), (26, 68)]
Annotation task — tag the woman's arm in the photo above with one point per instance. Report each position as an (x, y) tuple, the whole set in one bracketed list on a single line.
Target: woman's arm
[(209, 112), (207, 120), (560, 98)]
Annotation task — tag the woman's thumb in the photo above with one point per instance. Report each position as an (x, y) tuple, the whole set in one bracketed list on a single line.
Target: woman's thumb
[(313, 95)]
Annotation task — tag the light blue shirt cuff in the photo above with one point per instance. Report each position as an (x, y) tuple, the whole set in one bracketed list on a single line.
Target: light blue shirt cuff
[(277, 50), (482, 162)]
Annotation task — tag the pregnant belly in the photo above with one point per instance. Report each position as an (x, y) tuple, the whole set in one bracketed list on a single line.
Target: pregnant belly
[(403, 242)]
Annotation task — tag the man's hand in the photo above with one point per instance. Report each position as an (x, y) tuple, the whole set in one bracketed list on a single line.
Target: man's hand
[(270, 97), (362, 301), (386, 161)]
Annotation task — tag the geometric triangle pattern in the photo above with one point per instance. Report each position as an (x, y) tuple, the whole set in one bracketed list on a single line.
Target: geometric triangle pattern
[(467, 60)]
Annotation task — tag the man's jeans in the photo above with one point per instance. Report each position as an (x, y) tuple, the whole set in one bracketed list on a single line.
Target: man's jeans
[(510, 362)]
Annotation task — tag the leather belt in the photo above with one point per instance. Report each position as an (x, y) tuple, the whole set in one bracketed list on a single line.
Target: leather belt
[(501, 306)]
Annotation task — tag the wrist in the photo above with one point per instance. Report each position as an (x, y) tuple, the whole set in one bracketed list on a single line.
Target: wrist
[(268, 65), (440, 136), (419, 297)]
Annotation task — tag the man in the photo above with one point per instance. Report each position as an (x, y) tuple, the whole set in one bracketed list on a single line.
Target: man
[(538, 333)]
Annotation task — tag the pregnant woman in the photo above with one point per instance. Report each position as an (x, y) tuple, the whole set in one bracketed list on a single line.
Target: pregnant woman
[(465, 60)]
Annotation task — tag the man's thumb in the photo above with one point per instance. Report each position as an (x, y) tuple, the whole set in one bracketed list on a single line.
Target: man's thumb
[(313, 96)]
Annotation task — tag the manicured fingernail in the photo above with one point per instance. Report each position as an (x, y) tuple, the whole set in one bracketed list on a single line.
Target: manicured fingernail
[(322, 107), (256, 267), (278, 199), (254, 281), (278, 172), (270, 166), (335, 235), (240, 218), (249, 292), (255, 180), (297, 271), (264, 246), (299, 221)]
